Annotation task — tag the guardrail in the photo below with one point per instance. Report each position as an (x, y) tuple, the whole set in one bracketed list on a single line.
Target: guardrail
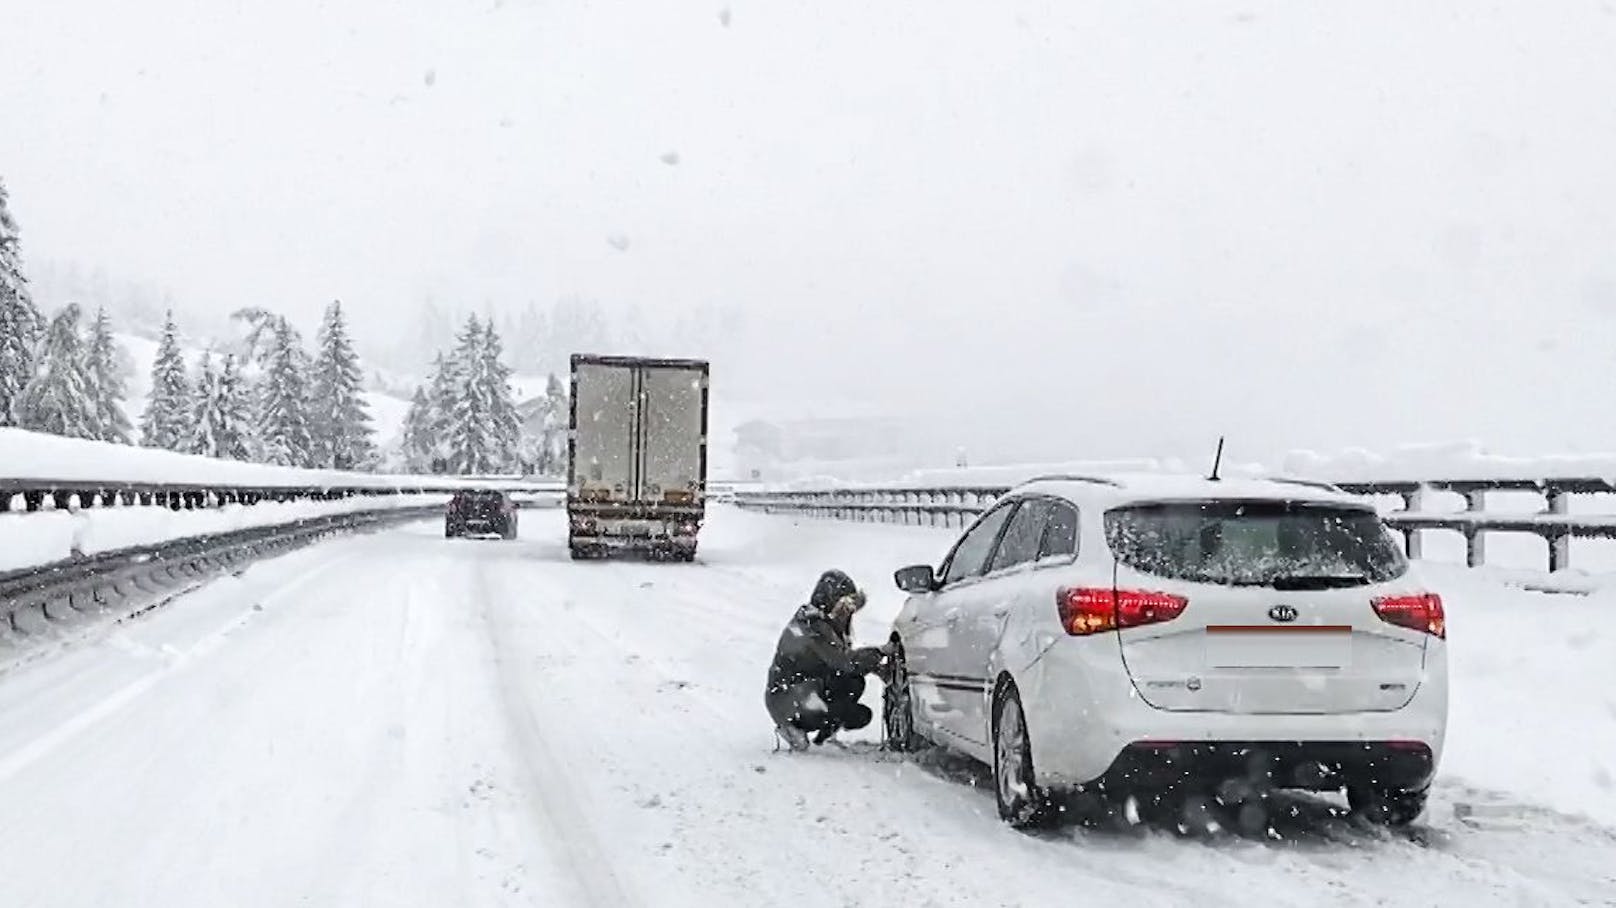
[(35, 494), (955, 506), (35, 598)]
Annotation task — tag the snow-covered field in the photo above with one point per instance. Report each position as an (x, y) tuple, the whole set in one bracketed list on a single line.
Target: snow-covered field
[(41, 538), (402, 720)]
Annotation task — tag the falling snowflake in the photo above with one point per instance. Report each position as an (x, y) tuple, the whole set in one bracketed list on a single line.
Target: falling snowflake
[(723, 17), (669, 158), (618, 241), (431, 78)]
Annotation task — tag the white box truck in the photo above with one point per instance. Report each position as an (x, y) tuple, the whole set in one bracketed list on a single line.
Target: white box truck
[(637, 454)]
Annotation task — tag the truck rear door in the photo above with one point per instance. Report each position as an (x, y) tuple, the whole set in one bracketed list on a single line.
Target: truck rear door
[(673, 428), (605, 423)]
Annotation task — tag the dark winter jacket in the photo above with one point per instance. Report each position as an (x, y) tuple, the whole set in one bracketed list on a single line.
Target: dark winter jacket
[(812, 647)]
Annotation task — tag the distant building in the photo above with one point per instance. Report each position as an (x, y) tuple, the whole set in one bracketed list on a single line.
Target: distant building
[(845, 447)]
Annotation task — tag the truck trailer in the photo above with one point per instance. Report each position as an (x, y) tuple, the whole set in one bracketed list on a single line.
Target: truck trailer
[(637, 456)]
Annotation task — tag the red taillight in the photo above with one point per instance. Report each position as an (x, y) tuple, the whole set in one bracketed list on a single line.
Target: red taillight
[(1091, 610), (1417, 612)]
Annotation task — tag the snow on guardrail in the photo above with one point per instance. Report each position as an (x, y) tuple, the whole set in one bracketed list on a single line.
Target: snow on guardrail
[(33, 540), (28, 456), (1419, 463)]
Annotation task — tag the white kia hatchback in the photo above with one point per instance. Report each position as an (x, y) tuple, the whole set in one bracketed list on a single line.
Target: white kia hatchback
[(1130, 635)]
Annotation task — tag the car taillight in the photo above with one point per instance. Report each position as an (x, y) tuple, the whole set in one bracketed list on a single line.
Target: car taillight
[(1091, 610), (1417, 612)]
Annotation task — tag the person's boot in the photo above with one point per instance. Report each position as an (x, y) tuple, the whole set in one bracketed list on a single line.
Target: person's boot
[(795, 738), (856, 716)]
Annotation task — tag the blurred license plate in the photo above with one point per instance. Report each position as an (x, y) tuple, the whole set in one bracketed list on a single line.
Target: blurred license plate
[(1275, 647)]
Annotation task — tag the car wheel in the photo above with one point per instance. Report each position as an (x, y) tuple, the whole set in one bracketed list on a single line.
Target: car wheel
[(897, 709), (1022, 803), (1386, 807)]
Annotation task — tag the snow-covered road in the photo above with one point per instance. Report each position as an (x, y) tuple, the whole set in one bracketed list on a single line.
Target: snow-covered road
[(399, 719)]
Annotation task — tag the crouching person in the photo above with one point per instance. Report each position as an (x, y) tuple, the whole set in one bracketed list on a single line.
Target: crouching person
[(817, 676)]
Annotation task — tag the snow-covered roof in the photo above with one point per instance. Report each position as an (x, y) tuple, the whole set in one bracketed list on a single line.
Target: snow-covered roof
[(1112, 490)]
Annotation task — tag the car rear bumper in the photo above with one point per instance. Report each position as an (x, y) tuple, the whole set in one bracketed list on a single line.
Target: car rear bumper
[(1314, 765), (1087, 723)]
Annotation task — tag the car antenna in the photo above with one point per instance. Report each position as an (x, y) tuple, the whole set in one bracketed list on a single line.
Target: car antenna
[(1217, 461)]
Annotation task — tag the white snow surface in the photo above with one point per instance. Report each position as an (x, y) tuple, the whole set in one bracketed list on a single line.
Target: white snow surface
[(398, 719), (28, 540), (1449, 460), (1416, 462), (34, 455)]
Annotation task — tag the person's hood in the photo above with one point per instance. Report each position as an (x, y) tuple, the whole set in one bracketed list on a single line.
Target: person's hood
[(832, 586)]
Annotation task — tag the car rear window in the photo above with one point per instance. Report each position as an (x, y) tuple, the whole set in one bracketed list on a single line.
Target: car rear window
[(1255, 543)]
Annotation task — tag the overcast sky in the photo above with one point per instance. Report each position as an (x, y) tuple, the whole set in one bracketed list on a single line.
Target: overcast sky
[(1050, 229)]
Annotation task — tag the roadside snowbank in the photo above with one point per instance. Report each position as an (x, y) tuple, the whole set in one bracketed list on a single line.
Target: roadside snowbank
[(29, 540), (33, 455)]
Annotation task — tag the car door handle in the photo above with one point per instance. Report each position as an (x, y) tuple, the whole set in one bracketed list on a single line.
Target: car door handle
[(953, 616)]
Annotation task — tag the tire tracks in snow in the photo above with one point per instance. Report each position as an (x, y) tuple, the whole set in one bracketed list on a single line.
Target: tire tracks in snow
[(675, 760), (569, 827)]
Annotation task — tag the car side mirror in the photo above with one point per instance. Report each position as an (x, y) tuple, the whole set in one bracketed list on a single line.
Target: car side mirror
[(917, 579)]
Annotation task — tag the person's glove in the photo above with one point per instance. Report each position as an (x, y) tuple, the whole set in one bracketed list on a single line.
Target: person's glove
[(887, 664)]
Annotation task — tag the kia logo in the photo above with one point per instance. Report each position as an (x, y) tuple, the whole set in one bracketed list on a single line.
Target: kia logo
[(1282, 613)]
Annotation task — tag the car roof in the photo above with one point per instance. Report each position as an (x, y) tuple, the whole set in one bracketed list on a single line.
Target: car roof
[(1111, 490)]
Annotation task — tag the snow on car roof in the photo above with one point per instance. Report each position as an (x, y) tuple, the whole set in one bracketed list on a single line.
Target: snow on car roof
[(1111, 490)]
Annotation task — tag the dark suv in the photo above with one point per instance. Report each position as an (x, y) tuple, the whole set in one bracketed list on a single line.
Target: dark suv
[(480, 512)]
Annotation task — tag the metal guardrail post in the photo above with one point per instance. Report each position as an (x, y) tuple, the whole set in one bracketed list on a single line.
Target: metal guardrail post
[(1559, 503), (1476, 536), (1413, 503)]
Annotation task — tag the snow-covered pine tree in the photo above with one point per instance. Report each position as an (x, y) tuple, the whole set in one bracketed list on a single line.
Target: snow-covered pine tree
[(470, 441), (20, 322), (58, 399), (204, 424), (222, 414), (283, 420), (166, 422), (553, 431), (106, 370), (235, 413), (440, 398), (417, 441), (339, 419), (505, 423)]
